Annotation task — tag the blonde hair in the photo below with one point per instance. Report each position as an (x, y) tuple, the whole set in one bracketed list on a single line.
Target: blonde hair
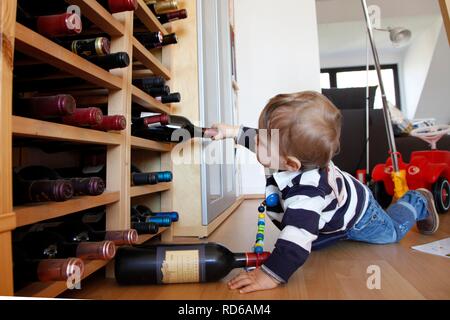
[(309, 126)]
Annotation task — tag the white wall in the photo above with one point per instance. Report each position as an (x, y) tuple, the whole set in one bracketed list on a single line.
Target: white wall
[(416, 65), (434, 101), (277, 51)]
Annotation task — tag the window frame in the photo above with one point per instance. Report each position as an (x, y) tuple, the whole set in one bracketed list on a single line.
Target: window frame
[(394, 67)]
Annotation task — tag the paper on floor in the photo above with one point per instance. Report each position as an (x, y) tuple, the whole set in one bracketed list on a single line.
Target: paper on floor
[(439, 248)]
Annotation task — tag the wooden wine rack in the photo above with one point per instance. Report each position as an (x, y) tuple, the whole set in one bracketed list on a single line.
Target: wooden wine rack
[(148, 155)]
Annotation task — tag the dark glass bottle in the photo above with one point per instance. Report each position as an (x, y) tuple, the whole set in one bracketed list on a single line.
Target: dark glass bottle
[(112, 123), (99, 46), (145, 227), (158, 7), (111, 61), (139, 178), (172, 16), (26, 269), (50, 25), (170, 98), (153, 44), (45, 107), (149, 38), (149, 82), (49, 245), (179, 263), (75, 231), (84, 117), (145, 212)]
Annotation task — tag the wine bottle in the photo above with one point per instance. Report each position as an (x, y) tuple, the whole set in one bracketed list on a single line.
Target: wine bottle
[(111, 61), (179, 263), (170, 98), (41, 190), (92, 186), (158, 91), (145, 211), (49, 245), (84, 117), (161, 221), (55, 25), (115, 6), (76, 231), (160, 7), (46, 107), (99, 46), (149, 44), (149, 38), (154, 81), (172, 16), (145, 227), (139, 178), (111, 123), (28, 270)]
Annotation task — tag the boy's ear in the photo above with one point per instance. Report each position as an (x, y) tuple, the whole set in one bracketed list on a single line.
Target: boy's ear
[(292, 163)]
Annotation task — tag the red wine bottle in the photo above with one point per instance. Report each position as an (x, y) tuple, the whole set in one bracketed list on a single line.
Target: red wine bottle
[(46, 107), (179, 263), (76, 231), (99, 46), (149, 38), (115, 6), (159, 7), (172, 16), (111, 61), (42, 190), (28, 270), (145, 227), (49, 245), (166, 40), (92, 186), (112, 123), (55, 25), (84, 117), (157, 91), (145, 212), (139, 178), (170, 98)]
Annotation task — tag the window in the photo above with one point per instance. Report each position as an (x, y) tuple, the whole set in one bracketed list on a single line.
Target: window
[(356, 77)]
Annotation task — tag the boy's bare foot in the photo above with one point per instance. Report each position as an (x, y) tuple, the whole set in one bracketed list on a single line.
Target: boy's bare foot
[(431, 223)]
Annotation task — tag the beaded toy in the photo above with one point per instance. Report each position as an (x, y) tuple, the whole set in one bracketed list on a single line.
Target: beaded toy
[(271, 200)]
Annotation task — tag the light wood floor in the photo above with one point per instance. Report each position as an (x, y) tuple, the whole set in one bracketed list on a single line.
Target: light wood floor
[(337, 272)]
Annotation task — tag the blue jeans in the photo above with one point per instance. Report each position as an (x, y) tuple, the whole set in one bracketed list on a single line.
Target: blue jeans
[(390, 226)]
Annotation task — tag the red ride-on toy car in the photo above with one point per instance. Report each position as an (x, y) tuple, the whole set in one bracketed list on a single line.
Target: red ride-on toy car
[(427, 169)]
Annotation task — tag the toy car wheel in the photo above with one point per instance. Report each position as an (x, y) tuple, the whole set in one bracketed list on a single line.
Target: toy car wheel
[(441, 192), (380, 194)]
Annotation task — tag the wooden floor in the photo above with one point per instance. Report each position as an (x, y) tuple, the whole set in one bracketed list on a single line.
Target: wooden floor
[(338, 272)]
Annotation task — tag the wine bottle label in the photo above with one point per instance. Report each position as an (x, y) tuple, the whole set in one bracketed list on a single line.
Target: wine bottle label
[(180, 265)]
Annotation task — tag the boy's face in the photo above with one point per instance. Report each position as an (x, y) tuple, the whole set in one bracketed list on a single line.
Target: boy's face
[(268, 151)]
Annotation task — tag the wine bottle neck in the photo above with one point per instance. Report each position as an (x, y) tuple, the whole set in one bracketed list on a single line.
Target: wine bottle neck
[(240, 260)]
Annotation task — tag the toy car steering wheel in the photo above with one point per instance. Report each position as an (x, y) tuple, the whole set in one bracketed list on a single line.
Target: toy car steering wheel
[(431, 134)]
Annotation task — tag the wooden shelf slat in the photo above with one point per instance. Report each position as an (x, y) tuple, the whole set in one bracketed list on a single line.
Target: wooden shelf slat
[(54, 131), (53, 289), (33, 44), (36, 212), (144, 144), (145, 100), (145, 237), (99, 16), (148, 18), (149, 60), (137, 191)]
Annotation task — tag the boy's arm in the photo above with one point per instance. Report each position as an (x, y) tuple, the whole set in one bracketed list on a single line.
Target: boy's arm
[(242, 135), (301, 228)]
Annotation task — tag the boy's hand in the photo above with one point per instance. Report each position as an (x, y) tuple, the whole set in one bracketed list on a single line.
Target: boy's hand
[(224, 131), (254, 280)]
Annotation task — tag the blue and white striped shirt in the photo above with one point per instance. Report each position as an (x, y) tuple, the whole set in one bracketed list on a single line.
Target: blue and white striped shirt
[(313, 202)]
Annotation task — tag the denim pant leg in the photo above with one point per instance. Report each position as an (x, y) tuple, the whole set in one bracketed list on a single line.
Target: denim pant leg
[(378, 226), (375, 226)]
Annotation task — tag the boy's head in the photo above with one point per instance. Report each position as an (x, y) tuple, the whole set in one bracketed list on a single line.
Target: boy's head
[(302, 131)]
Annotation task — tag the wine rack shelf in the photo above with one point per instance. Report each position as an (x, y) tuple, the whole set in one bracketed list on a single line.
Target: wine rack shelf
[(26, 127), (144, 144), (145, 100), (149, 60), (148, 18), (35, 212), (138, 191), (146, 237), (53, 289), (111, 88), (32, 43)]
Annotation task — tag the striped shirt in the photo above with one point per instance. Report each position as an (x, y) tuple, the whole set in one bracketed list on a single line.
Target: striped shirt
[(311, 202)]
